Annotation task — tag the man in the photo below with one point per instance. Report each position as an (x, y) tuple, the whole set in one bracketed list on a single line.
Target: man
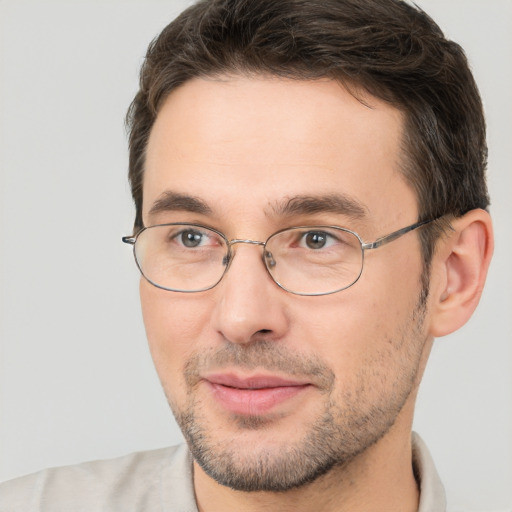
[(310, 215)]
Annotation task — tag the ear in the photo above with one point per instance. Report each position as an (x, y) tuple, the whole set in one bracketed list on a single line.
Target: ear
[(459, 268)]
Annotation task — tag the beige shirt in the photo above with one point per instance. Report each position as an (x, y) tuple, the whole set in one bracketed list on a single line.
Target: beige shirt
[(152, 481)]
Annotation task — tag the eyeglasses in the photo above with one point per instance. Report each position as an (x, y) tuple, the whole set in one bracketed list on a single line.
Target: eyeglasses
[(303, 260)]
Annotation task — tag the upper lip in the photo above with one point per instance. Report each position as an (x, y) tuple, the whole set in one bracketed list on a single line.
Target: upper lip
[(253, 381)]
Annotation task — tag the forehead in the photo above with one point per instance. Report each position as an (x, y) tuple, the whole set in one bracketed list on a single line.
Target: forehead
[(242, 142)]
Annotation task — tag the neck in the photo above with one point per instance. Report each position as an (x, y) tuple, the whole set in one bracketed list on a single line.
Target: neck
[(380, 479)]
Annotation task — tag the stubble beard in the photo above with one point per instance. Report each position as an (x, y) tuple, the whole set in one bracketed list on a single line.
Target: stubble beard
[(350, 423)]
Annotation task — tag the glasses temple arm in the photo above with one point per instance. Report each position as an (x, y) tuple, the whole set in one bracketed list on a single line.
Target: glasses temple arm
[(396, 234), (129, 240)]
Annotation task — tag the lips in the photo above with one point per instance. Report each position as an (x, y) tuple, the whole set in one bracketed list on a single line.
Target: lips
[(253, 395)]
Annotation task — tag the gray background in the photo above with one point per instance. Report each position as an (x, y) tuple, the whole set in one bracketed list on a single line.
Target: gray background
[(76, 380)]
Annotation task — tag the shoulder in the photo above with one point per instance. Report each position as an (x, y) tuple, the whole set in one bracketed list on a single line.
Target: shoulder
[(145, 481)]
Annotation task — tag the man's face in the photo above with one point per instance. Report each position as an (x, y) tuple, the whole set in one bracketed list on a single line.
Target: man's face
[(273, 389)]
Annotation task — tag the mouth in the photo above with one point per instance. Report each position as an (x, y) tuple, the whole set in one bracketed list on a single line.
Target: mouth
[(253, 395)]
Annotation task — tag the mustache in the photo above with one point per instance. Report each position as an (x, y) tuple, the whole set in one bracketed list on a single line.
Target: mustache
[(263, 355)]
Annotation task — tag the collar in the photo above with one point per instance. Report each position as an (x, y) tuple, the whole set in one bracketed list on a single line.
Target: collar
[(432, 494)]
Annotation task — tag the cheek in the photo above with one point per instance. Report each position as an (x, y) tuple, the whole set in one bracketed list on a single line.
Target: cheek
[(174, 326), (364, 327)]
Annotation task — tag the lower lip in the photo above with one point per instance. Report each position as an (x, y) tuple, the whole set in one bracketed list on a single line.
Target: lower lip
[(253, 402)]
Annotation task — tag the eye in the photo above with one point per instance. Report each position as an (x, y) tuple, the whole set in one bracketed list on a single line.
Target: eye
[(316, 240), (191, 238)]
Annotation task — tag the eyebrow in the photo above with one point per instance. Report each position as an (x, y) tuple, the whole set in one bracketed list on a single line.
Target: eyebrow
[(174, 201), (332, 203), (296, 205)]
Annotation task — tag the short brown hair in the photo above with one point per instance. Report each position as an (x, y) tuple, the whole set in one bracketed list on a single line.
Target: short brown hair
[(388, 48)]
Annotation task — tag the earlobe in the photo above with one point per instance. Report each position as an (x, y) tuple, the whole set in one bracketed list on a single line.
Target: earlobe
[(460, 267)]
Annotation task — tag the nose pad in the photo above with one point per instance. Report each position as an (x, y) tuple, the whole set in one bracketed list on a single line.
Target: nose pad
[(269, 259)]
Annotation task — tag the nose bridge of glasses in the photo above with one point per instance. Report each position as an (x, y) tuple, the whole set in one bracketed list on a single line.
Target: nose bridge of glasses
[(268, 258), (242, 241)]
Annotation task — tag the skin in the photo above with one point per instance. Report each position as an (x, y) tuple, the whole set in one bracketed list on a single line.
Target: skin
[(243, 146)]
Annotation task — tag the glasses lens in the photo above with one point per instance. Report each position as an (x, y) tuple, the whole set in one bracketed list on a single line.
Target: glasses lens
[(314, 260), (181, 257)]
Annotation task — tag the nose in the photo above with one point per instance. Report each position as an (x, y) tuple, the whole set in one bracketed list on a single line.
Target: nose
[(249, 305)]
